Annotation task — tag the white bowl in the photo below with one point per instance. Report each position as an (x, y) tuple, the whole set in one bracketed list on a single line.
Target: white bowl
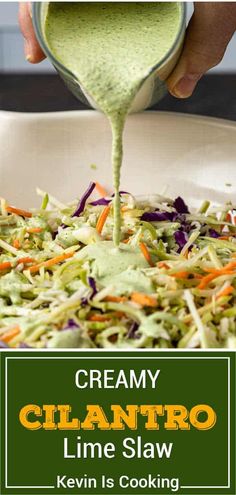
[(163, 152)]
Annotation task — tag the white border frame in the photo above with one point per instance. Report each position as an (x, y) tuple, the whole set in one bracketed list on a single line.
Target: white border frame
[(183, 487)]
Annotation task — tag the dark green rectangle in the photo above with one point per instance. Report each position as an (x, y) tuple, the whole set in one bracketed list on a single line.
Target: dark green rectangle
[(200, 459)]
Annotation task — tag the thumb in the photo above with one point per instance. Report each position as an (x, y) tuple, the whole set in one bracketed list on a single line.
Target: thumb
[(208, 34)]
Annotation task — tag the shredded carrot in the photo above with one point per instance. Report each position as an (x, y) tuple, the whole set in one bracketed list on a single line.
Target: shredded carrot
[(18, 211), (34, 230), (10, 334), (184, 275), (186, 254), (228, 218), (146, 253), (181, 275), (124, 208), (51, 262), (101, 190), (115, 298), (225, 292), (162, 264), (16, 243), (143, 299), (5, 265), (126, 241), (216, 273), (210, 270), (102, 218), (25, 260), (105, 317), (225, 237), (230, 265), (207, 279)]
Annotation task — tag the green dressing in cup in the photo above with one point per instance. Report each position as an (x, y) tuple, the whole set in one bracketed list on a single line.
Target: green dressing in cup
[(111, 51)]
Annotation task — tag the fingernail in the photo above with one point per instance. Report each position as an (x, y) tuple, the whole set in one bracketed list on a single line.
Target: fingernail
[(30, 10), (27, 50), (186, 85)]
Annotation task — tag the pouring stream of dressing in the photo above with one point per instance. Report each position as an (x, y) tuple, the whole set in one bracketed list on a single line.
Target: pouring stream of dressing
[(111, 48)]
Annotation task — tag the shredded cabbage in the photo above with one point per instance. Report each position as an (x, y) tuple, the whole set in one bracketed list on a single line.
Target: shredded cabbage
[(172, 283)]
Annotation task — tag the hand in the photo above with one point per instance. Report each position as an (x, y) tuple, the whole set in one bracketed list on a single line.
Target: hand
[(209, 32), (33, 51)]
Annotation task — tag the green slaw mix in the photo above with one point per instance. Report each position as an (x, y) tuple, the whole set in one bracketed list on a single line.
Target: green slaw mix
[(170, 284)]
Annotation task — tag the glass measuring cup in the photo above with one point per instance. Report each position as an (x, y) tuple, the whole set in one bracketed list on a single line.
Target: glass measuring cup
[(153, 88)]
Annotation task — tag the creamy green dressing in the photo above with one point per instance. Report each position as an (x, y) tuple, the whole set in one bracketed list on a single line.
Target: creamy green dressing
[(125, 271), (111, 48)]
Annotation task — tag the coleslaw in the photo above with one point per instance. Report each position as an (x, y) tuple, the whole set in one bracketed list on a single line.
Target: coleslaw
[(170, 284)]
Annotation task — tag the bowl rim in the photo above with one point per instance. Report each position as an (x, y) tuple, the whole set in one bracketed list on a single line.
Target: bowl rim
[(96, 115)]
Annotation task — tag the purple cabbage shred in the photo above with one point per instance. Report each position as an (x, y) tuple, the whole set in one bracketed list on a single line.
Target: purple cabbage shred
[(82, 201), (105, 201), (213, 233), (92, 284), (71, 325), (132, 333), (181, 238), (100, 202), (120, 193), (54, 234), (180, 205), (84, 301), (159, 216)]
